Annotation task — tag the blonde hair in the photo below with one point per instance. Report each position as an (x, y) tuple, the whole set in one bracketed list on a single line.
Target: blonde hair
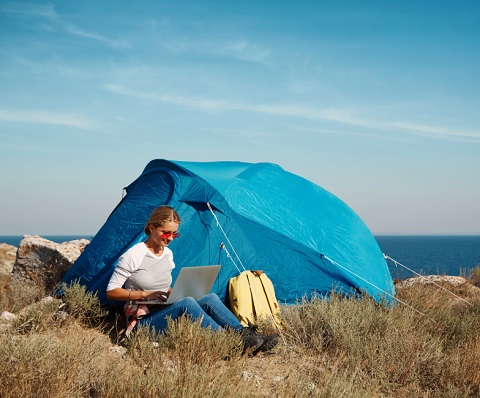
[(161, 215)]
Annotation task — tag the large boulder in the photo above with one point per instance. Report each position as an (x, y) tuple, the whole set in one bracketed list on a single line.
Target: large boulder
[(7, 258), (42, 261)]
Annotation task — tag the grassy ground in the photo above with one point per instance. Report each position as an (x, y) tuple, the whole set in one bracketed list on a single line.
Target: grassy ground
[(334, 348)]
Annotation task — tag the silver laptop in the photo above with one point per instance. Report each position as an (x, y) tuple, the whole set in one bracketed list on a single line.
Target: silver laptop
[(193, 282)]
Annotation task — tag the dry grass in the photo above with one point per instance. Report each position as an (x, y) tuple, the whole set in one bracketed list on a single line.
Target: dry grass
[(331, 348)]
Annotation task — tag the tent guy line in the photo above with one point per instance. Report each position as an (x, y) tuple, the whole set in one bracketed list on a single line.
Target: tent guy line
[(223, 247), (423, 276), (228, 240), (376, 287), (252, 288)]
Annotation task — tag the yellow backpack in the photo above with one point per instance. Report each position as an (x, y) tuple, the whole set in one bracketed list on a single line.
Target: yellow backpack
[(252, 296)]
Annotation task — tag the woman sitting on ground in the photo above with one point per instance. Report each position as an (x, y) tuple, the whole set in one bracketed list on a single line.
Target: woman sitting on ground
[(144, 272)]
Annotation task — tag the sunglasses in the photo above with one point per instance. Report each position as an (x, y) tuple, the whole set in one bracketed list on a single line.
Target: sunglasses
[(168, 234)]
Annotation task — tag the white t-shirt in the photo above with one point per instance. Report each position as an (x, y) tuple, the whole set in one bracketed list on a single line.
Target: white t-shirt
[(139, 269)]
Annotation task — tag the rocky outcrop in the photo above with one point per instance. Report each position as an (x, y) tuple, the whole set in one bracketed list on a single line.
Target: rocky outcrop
[(42, 261), (7, 258), (432, 279)]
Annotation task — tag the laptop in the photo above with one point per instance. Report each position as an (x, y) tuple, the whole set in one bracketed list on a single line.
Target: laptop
[(193, 282)]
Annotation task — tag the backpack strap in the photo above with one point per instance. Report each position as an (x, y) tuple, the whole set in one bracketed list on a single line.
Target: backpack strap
[(269, 294), (251, 285), (262, 293)]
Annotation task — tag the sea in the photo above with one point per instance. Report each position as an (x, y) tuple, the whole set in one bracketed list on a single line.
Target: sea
[(412, 255), (430, 255)]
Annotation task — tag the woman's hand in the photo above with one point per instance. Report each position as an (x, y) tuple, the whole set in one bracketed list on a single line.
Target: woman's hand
[(158, 295)]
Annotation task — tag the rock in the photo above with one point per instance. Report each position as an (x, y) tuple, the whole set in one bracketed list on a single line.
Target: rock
[(7, 258), (6, 316), (431, 279), (250, 377), (61, 316), (311, 386), (117, 350), (43, 262), (6, 321), (169, 365)]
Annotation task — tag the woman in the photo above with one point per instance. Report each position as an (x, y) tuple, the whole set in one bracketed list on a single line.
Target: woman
[(144, 272)]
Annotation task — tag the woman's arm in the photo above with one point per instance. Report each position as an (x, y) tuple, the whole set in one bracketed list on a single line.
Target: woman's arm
[(122, 294)]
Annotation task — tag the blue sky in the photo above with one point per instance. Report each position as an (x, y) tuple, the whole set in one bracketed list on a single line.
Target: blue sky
[(376, 101)]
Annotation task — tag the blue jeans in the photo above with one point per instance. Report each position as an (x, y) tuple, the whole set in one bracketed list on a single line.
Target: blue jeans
[(210, 309)]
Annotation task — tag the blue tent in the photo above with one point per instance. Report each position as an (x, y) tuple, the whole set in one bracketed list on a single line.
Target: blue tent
[(252, 216)]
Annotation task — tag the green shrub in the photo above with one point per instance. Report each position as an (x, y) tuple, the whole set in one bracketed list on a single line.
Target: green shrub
[(37, 316), (82, 305)]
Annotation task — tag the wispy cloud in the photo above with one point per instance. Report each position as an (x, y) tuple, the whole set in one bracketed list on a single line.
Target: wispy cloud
[(341, 116), (199, 103), (47, 11), (247, 51), (348, 117), (439, 132), (26, 8), (240, 49), (123, 119), (75, 30), (44, 117), (369, 135)]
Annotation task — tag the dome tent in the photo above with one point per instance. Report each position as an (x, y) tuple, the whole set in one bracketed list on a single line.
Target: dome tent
[(306, 239)]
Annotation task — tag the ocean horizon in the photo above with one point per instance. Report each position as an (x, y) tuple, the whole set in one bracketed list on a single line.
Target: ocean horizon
[(423, 254), (15, 240)]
